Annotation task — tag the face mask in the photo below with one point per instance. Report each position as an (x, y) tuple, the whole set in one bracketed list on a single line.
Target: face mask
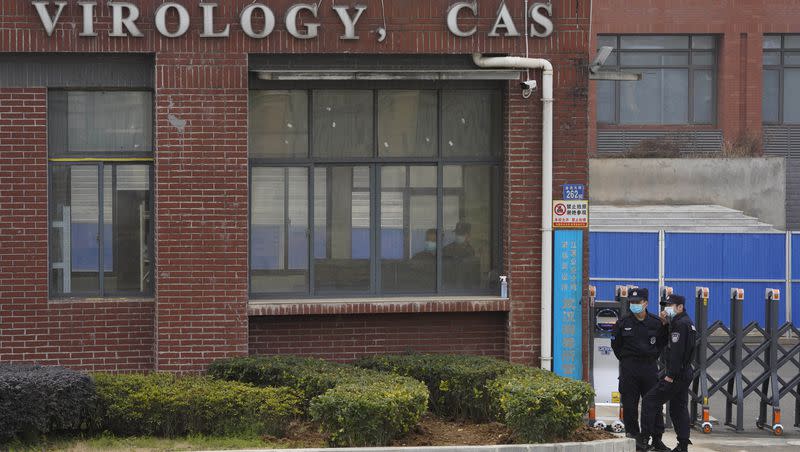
[(430, 246), (636, 308), (670, 310), (460, 239)]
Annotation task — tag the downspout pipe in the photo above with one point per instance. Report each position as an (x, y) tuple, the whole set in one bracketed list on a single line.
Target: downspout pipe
[(547, 187)]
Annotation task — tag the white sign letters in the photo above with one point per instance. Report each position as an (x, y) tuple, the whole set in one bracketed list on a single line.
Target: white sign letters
[(300, 19)]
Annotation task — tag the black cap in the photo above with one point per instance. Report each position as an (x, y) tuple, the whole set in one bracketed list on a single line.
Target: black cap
[(674, 299), (637, 294)]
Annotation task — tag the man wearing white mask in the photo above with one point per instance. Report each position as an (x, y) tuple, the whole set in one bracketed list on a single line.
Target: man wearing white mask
[(674, 387), (637, 340)]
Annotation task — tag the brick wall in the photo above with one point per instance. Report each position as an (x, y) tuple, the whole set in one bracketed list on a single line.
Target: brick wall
[(92, 335), (200, 307), (348, 337), (739, 26)]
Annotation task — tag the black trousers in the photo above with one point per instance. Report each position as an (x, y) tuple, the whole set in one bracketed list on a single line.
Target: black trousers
[(677, 394), (637, 378)]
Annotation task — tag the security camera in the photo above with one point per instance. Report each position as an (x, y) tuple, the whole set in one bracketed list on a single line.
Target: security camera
[(528, 85)]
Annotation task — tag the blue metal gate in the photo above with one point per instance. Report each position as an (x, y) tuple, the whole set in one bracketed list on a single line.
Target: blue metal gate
[(685, 260)]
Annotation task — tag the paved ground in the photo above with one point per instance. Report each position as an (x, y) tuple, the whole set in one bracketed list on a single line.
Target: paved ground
[(726, 441)]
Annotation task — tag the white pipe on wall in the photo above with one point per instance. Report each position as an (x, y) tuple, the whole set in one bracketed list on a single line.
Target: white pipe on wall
[(547, 187)]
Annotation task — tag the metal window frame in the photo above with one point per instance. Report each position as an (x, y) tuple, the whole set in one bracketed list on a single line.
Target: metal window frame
[(375, 163), (690, 68), (100, 160), (781, 68)]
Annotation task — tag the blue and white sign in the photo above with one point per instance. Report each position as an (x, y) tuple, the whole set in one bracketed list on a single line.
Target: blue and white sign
[(573, 191), (567, 313)]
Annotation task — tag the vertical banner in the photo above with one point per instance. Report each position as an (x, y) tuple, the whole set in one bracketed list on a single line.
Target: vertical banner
[(567, 288)]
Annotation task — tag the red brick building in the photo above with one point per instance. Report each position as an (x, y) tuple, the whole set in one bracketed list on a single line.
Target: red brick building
[(173, 191), (715, 71)]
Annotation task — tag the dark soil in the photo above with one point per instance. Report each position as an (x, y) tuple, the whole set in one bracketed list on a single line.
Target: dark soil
[(435, 431)]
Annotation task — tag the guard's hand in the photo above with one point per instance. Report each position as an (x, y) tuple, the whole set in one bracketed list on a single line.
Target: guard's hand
[(663, 316), (668, 379)]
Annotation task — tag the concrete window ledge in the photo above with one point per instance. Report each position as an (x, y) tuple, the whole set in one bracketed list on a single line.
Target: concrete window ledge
[(605, 445), (393, 305)]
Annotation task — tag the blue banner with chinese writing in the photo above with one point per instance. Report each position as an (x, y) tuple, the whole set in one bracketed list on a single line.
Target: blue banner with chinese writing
[(567, 288)]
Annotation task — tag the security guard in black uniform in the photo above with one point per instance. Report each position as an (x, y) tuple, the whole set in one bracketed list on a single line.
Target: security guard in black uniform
[(637, 340), (674, 387)]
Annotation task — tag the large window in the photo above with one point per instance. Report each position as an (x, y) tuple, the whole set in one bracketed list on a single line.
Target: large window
[(677, 85), (373, 191), (100, 146), (781, 78)]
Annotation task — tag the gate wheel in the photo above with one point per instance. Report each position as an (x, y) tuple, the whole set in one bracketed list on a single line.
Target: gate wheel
[(618, 427), (707, 427), (777, 430)]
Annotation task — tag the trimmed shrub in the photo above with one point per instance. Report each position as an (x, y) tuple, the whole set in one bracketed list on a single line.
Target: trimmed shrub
[(371, 410), (38, 399), (353, 406), (309, 376), (457, 383), (165, 405), (539, 406)]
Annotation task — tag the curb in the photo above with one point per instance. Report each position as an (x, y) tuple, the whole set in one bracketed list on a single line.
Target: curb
[(603, 445)]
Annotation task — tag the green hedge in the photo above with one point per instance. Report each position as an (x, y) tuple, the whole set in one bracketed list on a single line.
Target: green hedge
[(539, 406), (38, 399), (355, 407), (457, 383), (309, 376), (165, 405), (370, 411)]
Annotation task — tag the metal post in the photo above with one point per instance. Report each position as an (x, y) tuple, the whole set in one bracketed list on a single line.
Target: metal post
[(771, 303), (701, 321), (736, 384)]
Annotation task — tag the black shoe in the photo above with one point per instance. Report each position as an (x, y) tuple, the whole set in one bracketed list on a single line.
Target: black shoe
[(641, 443), (659, 445), (683, 446)]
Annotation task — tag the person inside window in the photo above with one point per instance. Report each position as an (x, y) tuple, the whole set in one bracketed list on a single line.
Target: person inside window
[(460, 248), (429, 251)]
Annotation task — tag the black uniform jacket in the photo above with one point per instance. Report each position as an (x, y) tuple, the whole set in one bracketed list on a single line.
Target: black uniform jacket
[(682, 339), (640, 339)]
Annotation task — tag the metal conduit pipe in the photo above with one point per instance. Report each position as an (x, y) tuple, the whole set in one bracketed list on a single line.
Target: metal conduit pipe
[(547, 186)]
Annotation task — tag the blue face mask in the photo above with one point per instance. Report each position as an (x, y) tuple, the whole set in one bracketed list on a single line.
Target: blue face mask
[(637, 308), (430, 246), (670, 311)]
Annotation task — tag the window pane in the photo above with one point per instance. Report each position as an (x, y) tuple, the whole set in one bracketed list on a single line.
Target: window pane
[(278, 126), (770, 100), (654, 42), (408, 230), (703, 58), (791, 58), (342, 123), (654, 59), (772, 58), (342, 226), (772, 42), (407, 123), (606, 98), (610, 41), (702, 42), (470, 123), (703, 96), (468, 259), (74, 215), (661, 97), (127, 254), (791, 42), (791, 96), (279, 225), (100, 121)]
